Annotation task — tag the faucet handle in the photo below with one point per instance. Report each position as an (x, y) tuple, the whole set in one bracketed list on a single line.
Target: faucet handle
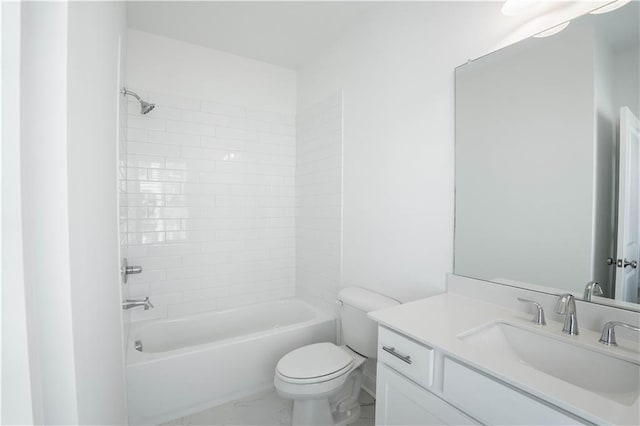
[(609, 332), (538, 319)]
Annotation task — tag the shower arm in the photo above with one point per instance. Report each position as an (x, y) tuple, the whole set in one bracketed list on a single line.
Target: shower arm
[(145, 107), (126, 92)]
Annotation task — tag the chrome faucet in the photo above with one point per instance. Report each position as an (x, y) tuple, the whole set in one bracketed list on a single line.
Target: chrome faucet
[(592, 289), (609, 332), (567, 306), (134, 303), (538, 319)]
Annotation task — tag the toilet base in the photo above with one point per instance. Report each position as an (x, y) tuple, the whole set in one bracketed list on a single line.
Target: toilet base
[(311, 412), (317, 412), (345, 407), (339, 409), (346, 417)]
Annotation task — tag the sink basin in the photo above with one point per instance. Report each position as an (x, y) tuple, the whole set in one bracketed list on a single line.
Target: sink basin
[(608, 376)]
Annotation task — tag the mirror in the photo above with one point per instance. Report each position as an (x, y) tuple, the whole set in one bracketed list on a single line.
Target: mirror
[(547, 180)]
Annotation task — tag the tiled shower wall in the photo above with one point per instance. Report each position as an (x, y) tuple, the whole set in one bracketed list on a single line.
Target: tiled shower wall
[(122, 191), (319, 201), (209, 207)]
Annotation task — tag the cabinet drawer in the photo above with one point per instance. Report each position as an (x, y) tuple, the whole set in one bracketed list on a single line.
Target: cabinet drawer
[(406, 356), (493, 402)]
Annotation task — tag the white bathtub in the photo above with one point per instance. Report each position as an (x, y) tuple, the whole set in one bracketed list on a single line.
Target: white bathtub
[(192, 363)]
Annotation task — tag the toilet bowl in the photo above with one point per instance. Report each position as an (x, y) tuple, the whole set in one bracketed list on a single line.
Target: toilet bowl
[(324, 379)]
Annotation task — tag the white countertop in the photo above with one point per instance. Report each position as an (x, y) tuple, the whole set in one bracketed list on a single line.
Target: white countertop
[(437, 321)]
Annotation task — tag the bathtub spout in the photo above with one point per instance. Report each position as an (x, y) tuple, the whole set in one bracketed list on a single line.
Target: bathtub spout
[(134, 303)]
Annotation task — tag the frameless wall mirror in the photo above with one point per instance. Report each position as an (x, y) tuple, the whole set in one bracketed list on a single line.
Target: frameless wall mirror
[(547, 157)]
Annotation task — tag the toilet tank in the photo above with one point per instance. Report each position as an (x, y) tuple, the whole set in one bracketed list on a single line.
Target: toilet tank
[(359, 332)]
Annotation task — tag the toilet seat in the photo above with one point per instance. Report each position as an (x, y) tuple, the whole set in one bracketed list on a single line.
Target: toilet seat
[(316, 363)]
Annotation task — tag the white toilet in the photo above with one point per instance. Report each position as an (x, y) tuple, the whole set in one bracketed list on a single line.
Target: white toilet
[(324, 379)]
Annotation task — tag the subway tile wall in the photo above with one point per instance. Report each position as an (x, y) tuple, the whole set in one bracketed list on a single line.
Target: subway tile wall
[(319, 201), (122, 189), (208, 205)]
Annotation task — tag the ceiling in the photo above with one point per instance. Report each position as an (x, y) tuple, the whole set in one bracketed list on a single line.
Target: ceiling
[(281, 33)]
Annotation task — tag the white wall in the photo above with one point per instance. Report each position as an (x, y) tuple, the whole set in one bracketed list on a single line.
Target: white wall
[(15, 394), (319, 201), (396, 70), (209, 204), (397, 77), (44, 189), (163, 65), (94, 35), (68, 115)]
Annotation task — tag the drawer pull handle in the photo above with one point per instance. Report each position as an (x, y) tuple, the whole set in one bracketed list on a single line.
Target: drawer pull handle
[(392, 351)]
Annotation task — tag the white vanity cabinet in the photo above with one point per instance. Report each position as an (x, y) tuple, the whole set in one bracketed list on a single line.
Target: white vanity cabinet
[(405, 371), (419, 385), (400, 401)]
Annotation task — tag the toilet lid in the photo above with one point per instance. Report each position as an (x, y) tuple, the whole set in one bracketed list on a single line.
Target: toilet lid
[(314, 361)]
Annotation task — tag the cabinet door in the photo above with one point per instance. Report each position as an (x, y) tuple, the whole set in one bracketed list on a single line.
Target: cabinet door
[(402, 402), (494, 403)]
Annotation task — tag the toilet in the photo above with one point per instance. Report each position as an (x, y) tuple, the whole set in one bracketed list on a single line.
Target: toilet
[(324, 379)]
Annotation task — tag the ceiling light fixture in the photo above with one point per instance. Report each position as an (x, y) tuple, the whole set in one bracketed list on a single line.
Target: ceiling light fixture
[(553, 30), (610, 7)]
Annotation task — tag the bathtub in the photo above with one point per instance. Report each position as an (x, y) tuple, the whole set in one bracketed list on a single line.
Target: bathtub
[(188, 364)]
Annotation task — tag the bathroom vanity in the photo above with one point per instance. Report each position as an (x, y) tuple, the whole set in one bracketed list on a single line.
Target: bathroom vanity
[(457, 359), (537, 159), (536, 214)]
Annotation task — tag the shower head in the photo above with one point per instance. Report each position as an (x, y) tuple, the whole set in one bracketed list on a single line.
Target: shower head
[(145, 107)]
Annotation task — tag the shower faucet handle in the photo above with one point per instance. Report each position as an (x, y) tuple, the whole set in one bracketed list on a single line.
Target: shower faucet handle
[(133, 270), (127, 270)]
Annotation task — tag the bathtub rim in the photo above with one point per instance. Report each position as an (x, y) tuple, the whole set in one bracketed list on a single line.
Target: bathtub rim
[(134, 357)]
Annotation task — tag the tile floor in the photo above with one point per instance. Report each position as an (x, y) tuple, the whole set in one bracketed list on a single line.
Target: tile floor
[(265, 408)]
